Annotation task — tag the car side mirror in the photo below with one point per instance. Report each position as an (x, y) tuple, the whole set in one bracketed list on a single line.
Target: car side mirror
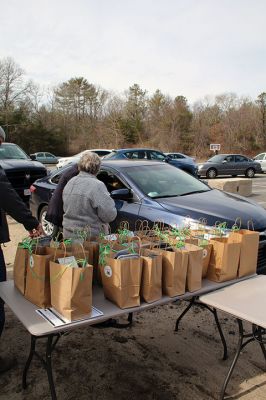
[(122, 194), (33, 157)]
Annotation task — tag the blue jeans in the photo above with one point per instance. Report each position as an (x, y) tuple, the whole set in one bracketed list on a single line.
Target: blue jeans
[(2, 279)]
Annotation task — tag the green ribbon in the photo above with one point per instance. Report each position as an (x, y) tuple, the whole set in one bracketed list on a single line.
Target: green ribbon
[(104, 250), (28, 244)]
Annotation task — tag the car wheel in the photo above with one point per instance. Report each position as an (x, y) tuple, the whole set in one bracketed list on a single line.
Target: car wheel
[(211, 173), (48, 228), (250, 173), (234, 176)]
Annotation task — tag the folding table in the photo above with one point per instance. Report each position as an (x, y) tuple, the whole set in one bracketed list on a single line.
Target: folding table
[(246, 301), (40, 328)]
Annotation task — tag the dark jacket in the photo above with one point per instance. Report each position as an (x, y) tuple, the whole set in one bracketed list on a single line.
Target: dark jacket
[(55, 207), (11, 203)]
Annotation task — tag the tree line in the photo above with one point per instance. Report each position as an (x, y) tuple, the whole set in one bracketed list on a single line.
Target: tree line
[(77, 115)]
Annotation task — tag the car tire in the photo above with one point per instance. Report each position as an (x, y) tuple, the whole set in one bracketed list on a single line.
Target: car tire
[(211, 173), (250, 173), (48, 228), (234, 176)]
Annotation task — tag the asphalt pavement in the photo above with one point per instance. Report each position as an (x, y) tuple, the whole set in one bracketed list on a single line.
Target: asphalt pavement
[(259, 189)]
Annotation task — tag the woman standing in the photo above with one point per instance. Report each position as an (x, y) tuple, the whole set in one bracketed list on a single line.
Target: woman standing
[(86, 200)]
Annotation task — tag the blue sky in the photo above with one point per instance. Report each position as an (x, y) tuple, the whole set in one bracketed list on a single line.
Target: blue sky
[(190, 47)]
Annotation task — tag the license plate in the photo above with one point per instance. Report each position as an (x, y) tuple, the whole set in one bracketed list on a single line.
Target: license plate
[(26, 192)]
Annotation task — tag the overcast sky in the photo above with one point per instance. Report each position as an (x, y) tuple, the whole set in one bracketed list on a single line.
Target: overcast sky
[(183, 47)]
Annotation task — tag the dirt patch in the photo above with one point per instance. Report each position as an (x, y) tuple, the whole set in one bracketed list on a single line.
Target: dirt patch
[(148, 361)]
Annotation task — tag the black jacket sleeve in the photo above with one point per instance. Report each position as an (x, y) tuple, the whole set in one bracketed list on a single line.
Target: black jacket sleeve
[(12, 204), (55, 207)]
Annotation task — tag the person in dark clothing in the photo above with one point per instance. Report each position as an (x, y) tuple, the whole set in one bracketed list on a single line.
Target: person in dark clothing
[(55, 207), (11, 203)]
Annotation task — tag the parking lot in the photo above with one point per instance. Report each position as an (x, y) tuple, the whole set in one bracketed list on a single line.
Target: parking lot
[(259, 190)]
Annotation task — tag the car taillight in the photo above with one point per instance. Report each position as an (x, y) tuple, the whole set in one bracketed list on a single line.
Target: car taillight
[(32, 188)]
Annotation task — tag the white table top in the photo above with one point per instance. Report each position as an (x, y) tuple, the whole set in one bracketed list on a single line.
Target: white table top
[(38, 326), (245, 300)]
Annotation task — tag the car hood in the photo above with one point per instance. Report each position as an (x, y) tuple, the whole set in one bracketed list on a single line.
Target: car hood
[(20, 164), (215, 205)]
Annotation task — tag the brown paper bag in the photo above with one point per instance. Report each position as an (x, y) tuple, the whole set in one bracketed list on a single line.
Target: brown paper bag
[(37, 279), (151, 281), (20, 269), (249, 241), (37, 289), (71, 290), (224, 260), (194, 271), (121, 280), (174, 272)]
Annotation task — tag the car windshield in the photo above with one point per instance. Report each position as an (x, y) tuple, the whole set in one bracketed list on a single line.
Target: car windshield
[(217, 158), (11, 151), (158, 181)]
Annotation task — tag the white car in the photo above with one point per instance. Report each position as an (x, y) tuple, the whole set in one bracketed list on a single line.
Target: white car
[(74, 159), (261, 158)]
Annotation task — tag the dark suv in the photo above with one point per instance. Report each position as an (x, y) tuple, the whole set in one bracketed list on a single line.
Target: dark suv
[(20, 169)]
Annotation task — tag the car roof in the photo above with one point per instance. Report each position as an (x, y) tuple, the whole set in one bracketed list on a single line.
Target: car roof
[(129, 163), (136, 149)]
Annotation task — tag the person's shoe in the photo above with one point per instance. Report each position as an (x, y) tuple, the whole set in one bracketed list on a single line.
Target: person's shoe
[(7, 363)]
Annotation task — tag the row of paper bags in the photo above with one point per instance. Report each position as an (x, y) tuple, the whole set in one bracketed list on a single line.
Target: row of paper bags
[(170, 271)]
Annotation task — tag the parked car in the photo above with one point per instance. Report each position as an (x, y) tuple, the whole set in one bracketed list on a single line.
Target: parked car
[(229, 164), (20, 169), (63, 161), (155, 191), (149, 154), (178, 156), (261, 158), (44, 157)]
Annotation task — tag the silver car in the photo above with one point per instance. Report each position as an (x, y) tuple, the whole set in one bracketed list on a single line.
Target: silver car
[(229, 164)]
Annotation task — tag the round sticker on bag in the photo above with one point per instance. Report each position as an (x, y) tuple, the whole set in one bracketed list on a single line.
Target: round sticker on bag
[(108, 271), (204, 253), (31, 261)]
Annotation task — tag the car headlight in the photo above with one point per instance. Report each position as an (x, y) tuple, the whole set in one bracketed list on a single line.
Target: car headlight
[(200, 166)]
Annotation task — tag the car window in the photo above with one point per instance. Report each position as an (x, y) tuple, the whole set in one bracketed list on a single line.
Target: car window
[(164, 181), (229, 158), (260, 157), (102, 152), (48, 155), (55, 178), (10, 151), (111, 181), (133, 155), (241, 158), (155, 155)]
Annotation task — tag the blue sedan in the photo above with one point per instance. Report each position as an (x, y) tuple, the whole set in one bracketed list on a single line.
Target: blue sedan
[(188, 165)]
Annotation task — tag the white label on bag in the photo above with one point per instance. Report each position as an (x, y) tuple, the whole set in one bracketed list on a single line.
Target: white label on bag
[(108, 271), (70, 261), (31, 261), (204, 253)]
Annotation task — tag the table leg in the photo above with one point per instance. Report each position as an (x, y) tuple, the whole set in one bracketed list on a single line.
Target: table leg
[(46, 361), (191, 303), (225, 356), (28, 362), (239, 348), (194, 301), (48, 367), (257, 333)]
